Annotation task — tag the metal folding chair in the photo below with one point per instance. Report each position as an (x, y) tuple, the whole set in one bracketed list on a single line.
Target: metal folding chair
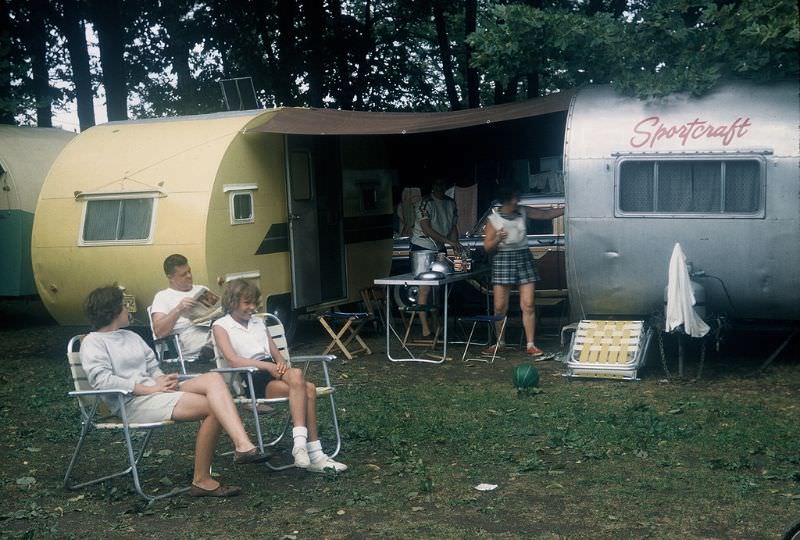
[(345, 325), (96, 416), (168, 348), (246, 396), (490, 321)]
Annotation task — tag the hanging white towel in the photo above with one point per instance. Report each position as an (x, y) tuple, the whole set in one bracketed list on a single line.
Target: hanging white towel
[(680, 298)]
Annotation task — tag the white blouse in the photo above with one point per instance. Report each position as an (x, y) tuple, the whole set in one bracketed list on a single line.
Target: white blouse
[(247, 341)]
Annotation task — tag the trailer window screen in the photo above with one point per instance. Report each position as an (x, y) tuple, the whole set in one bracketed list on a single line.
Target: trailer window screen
[(120, 220), (241, 204), (690, 187)]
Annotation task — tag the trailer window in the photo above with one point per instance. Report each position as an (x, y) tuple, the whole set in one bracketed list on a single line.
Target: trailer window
[(117, 220), (703, 187), (241, 205)]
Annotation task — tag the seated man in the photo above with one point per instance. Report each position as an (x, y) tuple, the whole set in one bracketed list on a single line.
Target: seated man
[(170, 305)]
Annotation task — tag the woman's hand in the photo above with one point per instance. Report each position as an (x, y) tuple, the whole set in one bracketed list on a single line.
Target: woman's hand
[(280, 369), (166, 383)]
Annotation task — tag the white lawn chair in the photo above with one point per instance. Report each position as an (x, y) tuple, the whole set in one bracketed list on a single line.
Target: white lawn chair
[(168, 348), (96, 416), (246, 396)]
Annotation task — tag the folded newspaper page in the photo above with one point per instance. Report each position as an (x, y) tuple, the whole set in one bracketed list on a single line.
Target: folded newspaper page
[(207, 307)]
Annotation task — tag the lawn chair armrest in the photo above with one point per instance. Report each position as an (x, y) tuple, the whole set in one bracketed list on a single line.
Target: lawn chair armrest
[(248, 369), (187, 376), (111, 391), (314, 358)]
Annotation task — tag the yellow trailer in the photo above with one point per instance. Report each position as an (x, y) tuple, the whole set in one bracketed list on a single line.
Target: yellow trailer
[(308, 217)]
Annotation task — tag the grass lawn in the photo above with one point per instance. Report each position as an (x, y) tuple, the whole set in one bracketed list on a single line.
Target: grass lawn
[(716, 458)]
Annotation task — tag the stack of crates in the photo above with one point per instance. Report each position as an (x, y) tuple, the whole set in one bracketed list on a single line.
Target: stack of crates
[(607, 349)]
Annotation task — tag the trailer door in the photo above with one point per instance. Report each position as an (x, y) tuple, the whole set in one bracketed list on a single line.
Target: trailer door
[(316, 242)]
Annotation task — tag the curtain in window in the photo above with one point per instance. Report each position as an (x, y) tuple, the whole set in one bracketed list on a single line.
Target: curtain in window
[(636, 187), (742, 183), (135, 219), (689, 187), (101, 220)]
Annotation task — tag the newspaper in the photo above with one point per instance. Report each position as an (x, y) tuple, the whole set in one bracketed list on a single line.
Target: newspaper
[(206, 309)]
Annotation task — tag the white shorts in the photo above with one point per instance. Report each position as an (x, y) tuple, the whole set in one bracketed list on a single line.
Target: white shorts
[(156, 407)]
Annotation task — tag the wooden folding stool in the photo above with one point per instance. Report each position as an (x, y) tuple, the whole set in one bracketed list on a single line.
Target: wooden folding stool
[(350, 323)]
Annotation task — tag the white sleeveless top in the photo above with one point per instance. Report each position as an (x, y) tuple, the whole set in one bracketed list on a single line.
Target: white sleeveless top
[(515, 227)]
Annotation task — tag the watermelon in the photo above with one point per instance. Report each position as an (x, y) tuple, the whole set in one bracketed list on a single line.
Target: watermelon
[(525, 376)]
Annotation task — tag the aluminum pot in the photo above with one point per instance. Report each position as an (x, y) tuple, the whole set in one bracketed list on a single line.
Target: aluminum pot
[(422, 260)]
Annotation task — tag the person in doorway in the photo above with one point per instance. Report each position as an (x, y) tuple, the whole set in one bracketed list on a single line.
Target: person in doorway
[(171, 304), (435, 227), (244, 341), (114, 358), (512, 263)]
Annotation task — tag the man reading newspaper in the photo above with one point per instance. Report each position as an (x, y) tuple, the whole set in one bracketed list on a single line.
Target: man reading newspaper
[(185, 309)]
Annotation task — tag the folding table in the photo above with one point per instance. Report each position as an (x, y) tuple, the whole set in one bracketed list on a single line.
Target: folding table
[(409, 279)]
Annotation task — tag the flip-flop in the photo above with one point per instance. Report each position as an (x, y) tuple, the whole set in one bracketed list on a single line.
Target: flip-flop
[(221, 491)]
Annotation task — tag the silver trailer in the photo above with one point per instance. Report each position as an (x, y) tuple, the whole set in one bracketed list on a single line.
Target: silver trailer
[(719, 174)]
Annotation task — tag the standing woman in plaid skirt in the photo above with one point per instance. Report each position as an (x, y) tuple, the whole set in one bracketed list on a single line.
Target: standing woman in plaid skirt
[(513, 264)]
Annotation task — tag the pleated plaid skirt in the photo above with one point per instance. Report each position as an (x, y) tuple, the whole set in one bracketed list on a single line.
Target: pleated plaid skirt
[(514, 267)]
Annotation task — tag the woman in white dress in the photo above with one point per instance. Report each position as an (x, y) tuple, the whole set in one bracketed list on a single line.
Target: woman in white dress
[(244, 341), (114, 358)]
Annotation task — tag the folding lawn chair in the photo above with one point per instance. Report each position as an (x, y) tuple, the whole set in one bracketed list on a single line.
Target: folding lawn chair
[(490, 321), (338, 324), (95, 415), (168, 348), (246, 396)]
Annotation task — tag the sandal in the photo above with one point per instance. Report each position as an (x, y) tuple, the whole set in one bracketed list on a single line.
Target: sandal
[(221, 491)]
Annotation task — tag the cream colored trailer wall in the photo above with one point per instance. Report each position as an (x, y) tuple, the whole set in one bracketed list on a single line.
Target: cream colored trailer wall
[(254, 159), (179, 157)]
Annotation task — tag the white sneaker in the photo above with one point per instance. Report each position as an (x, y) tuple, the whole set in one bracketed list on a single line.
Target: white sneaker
[(301, 460), (326, 464)]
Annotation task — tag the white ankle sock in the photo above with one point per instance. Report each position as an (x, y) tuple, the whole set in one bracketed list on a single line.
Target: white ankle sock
[(315, 452), (530, 344), (300, 436)]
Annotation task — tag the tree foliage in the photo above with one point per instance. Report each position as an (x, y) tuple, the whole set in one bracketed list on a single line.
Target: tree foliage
[(166, 57), (653, 48)]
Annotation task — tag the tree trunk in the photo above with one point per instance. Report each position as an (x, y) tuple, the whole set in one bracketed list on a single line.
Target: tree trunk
[(340, 47), (533, 84), (6, 96), (74, 30), (178, 50), (37, 41), (447, 60), (315, 55), (286, 53), (473, 80), (111, 39), (367, 46)]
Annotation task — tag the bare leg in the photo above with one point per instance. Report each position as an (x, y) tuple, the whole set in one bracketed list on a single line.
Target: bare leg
[(208, 395), (292, 385), (501, 294), (311, 411), (207, 436), (422, 299), (526, 305)]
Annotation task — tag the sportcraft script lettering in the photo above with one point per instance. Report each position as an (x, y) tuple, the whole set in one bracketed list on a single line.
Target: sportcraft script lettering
[(651, 130)]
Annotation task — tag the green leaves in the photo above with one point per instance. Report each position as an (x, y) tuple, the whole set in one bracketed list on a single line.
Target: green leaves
[(654, 49)]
